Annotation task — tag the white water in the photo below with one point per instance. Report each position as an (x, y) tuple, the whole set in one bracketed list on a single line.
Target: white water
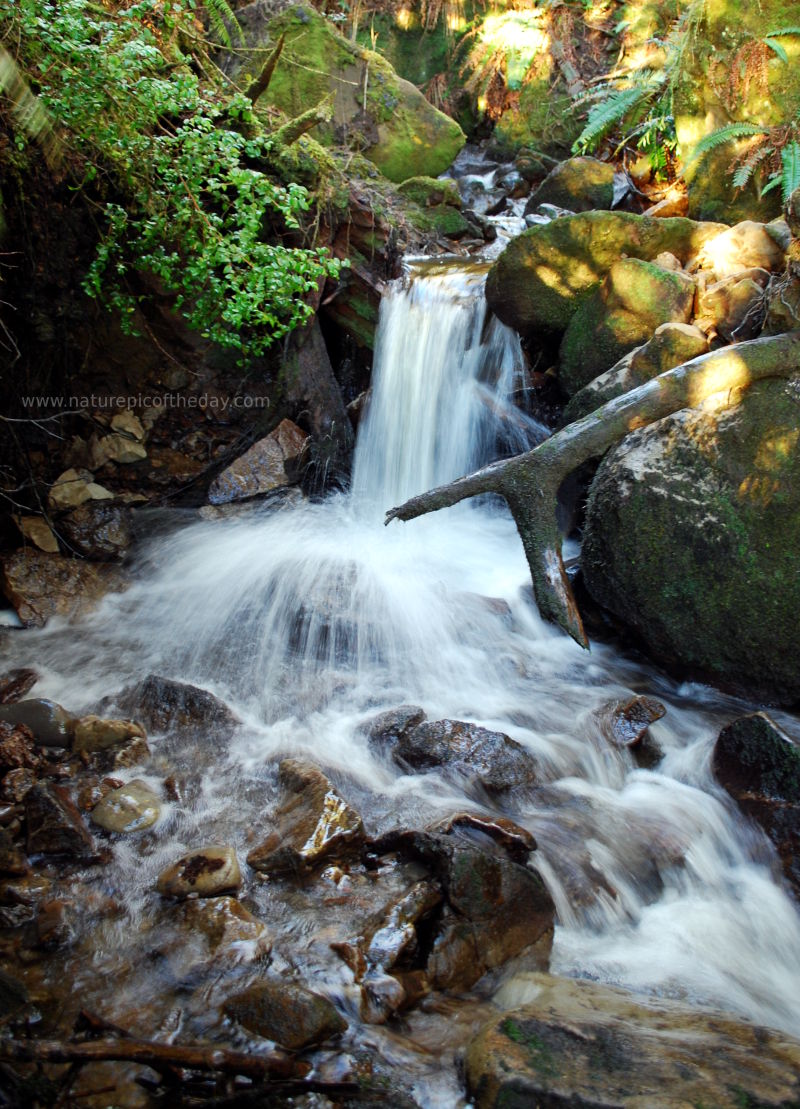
[(311, 619)]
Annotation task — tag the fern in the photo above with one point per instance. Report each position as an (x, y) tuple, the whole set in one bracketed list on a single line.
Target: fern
[(608, 113), (221, 18), (722, 135), (790, 174)]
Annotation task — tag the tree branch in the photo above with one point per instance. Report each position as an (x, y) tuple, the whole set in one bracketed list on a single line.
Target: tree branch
[(258, 87), (298, 126)]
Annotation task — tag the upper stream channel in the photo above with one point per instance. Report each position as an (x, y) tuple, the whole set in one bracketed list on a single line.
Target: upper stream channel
[(308, 620)]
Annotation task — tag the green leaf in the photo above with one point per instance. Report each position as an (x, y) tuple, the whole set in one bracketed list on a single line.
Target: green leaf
[(790, 176), (722, 135), (777, 48)]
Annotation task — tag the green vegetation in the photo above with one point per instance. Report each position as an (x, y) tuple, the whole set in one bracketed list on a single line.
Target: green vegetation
[(174, 163)]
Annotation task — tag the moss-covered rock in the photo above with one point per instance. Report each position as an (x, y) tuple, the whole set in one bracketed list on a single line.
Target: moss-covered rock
[(398, 129), (734, 76), (692, 534), (634, 299), (543, 116), (543, 275), (431, 191), (579, 184)]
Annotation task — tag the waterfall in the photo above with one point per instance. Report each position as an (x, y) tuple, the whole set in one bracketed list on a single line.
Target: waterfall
[(310, 619)]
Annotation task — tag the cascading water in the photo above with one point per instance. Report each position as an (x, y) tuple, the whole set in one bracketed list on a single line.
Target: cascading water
[(310, 619)]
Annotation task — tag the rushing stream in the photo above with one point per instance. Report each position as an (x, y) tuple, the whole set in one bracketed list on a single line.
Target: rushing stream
[(309, 619)]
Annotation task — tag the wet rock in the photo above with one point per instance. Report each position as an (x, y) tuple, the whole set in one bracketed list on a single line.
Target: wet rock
[(579, 185), (13, 995), (267, 465), (12, 861), (38, 532), (313, 823), (110, 760), (16, 684), (429, 192), (747, 245), (543, 275), (132, 808), (759, 766), (49, 723), (17, 748), (692, 529), (466, 750), (384, 730), (517, 842), (94, 733), (634, 299), (54, 825), (207, 872), (97, 530), (230, 930), (164, 705), (285, 1012), (583, 1044), (75, 487), (53, 925), (16, 784), (41, 585), (625, 723)]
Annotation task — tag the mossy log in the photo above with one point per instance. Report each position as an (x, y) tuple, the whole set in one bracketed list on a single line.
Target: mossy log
[(530, 482), (291, 131), (258, 87)]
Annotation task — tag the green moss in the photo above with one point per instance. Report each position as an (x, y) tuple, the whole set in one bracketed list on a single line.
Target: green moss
[(544, 117), (430, 191)]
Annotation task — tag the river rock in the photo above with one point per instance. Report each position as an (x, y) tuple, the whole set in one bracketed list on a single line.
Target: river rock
[(578, 184), (97, 530), (387, 728), (586, 1045), (759, 766), (672, 344), (542, 276), (13, 994), (50, 724), (692, 529), (117, 447), (94, 733), (387, 117), (230, 931), (626, 722), (633, 300), (54, 825), (465, 750), (17, 748), (74, 487), (516, 842), (747, 245), (37, 531), (12, 861), (206, 871), (267, 465), (128, 423), (41, 585), (734, 307), (313, 823), (163, 705), (15, 684), (132, 808), (285, 1012)]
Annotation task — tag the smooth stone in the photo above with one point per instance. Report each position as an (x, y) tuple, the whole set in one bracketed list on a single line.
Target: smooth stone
[(132, 808), (228, 928), (286, 1013), (94, 733), (207, 872), (465, 750), (51, 725), (163, 705)]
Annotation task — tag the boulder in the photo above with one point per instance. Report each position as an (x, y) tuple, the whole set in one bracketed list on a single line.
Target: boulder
[(579, 185), (132, 808), (286, 1013), (586, 1045), (229, 930), (206, 872), (626, 722), (430, 192), (759, 765), (97, 530), (41, 585), (672, 344), (267, 465), (310, 385), (734, 307), (54, 825), (50, 724), (75, 487), (93, 733), (390, 119), (117, 447), (692, 529), (634, 299), (313, 823), (543, 274), (745, 246), (387, 728), (464, 750), (163, 705)]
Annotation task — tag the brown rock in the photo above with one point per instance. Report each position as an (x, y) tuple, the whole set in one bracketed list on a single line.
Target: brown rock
[(17, 748), (93, 733), (734, 307), (387, 728), (49, 723), (97, 530), (131, 808), (265, 466), (16, 684), (465, 750), (17, 783), (285, 1012), (42, 585), (12, 861), (625, 723), (314, 824), (228, 928), (163, 705), (745, 246), (207, 872), (54, 825), (37, 531)]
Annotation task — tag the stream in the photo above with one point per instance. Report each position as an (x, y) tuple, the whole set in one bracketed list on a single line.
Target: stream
[(308, 619)]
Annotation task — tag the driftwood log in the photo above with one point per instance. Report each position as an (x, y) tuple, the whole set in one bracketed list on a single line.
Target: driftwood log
[(530, 482)]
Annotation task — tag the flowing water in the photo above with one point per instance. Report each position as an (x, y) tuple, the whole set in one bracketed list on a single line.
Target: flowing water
[(310, 619)]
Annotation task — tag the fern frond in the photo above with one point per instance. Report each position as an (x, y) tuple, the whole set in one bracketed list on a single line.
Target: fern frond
[(790, 175), (722, 135), (221, 20), (783, 31), (776, 48), (607, 113)]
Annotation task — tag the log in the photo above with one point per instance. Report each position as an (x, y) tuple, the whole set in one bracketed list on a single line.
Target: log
[(298, 126), (258, 87), (530, 482)]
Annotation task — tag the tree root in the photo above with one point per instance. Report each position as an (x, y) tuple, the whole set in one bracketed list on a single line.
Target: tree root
[(529, 482)]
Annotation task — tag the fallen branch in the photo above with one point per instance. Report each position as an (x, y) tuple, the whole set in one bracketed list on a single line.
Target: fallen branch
[(203, 1057), (291, 131), (258, 87), (530, 482)]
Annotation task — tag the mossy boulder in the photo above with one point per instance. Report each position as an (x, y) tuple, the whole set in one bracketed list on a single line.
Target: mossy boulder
[(542, 116), (692, 533), (672, 344), (733, 76), (431, 191), (578, 184), (541, 278), (634, 299), (373, 108)]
